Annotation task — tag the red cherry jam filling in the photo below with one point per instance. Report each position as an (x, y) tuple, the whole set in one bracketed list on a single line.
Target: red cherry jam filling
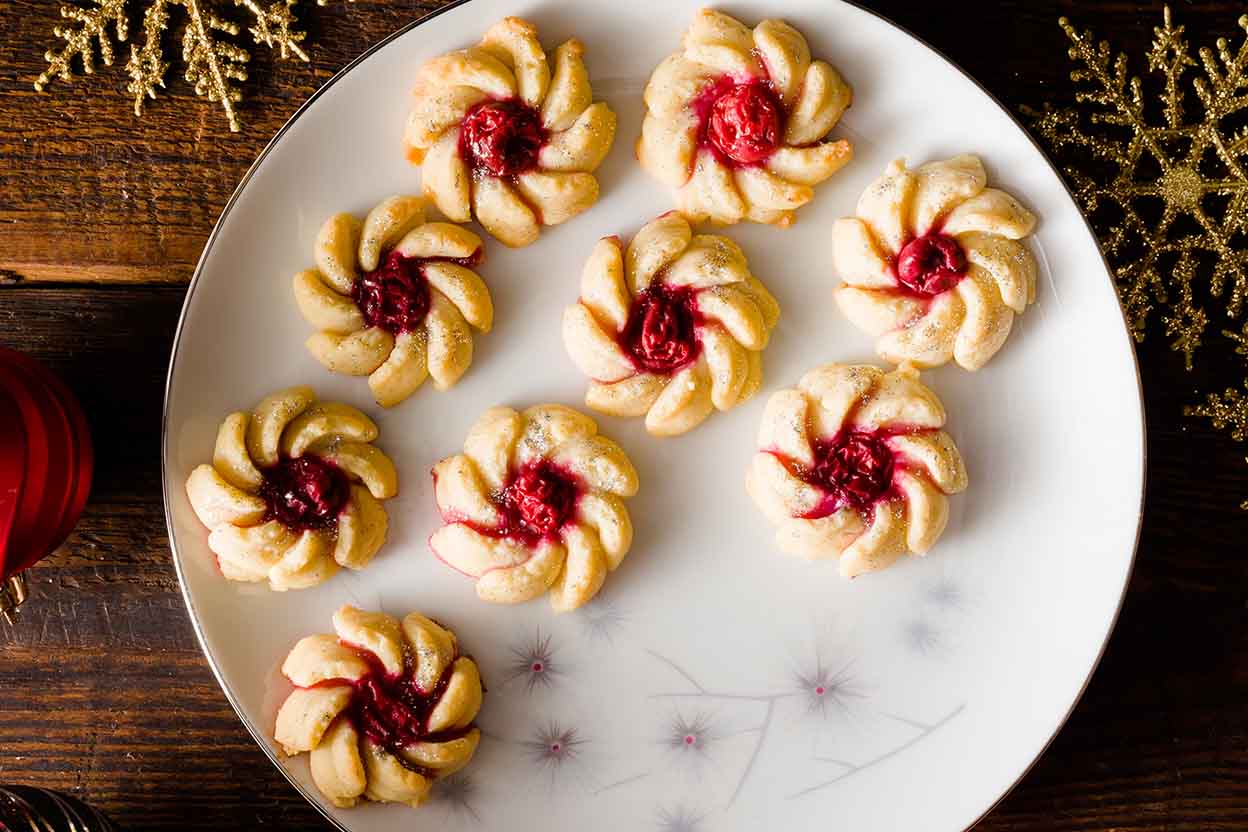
[(931, 264), (742, 121), (306, 492), (854, 467), (501, 138), (538, 500), (392, 711), (661, 333), (395, 295)]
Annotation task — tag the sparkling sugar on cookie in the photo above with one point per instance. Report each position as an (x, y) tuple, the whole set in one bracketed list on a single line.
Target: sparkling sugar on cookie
[(394, 298), (383, 707), (932, 265), (737, 121), (535, 504), (854, 464), (294, 491), (502, 137), (670, 327)]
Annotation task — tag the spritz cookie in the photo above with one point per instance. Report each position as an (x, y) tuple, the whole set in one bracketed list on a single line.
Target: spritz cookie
[(383, 707), (670, 327), (737, 121), (294, 491), (395, 298), (853, 463), (503, 134), (535, 503), (932, 264)]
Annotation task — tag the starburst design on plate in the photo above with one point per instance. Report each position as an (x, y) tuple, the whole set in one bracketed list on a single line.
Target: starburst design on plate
[(822, 688), (458, 793), (678, 819), (944, 594), (554, 746), (602, 620), (921, 636), (533, 661), (693, 735)]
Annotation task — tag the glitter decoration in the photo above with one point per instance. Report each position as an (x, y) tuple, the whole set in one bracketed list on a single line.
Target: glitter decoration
[(81, 40), (1226, 411), (214, 64), (1126, 155)]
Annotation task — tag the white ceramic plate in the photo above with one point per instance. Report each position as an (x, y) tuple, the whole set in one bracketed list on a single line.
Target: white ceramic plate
[(716, 684)]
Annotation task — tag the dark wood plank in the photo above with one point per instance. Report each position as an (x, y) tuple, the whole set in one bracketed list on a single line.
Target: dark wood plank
[(106, 694), (144, 734), (135, 198)]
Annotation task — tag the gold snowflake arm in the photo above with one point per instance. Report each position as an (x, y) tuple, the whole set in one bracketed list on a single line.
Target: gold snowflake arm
[(1170, 56), (273, 27), (1109, 85), (1228, 411), (213, 66), (79, 41), (147, 65), (1240, 338)]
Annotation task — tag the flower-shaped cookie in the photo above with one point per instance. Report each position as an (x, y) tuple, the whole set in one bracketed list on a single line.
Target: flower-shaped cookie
[(671, 327), (534, 504), (294, 491), (853, 463), (737, 121), (932, 266), (393, 298), (385, 707), (500, 136)]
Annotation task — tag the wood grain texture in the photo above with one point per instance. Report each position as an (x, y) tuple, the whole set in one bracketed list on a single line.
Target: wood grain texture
[(102, 218)]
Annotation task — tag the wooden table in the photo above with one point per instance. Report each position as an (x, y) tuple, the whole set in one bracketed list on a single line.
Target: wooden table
[(105, 692)]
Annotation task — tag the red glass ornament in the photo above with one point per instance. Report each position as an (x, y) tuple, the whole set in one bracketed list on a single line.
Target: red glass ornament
[(46, 462)]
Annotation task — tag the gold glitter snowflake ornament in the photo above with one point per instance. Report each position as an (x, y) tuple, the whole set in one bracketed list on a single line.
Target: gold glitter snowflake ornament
[(214, 64), (1163, 179)]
